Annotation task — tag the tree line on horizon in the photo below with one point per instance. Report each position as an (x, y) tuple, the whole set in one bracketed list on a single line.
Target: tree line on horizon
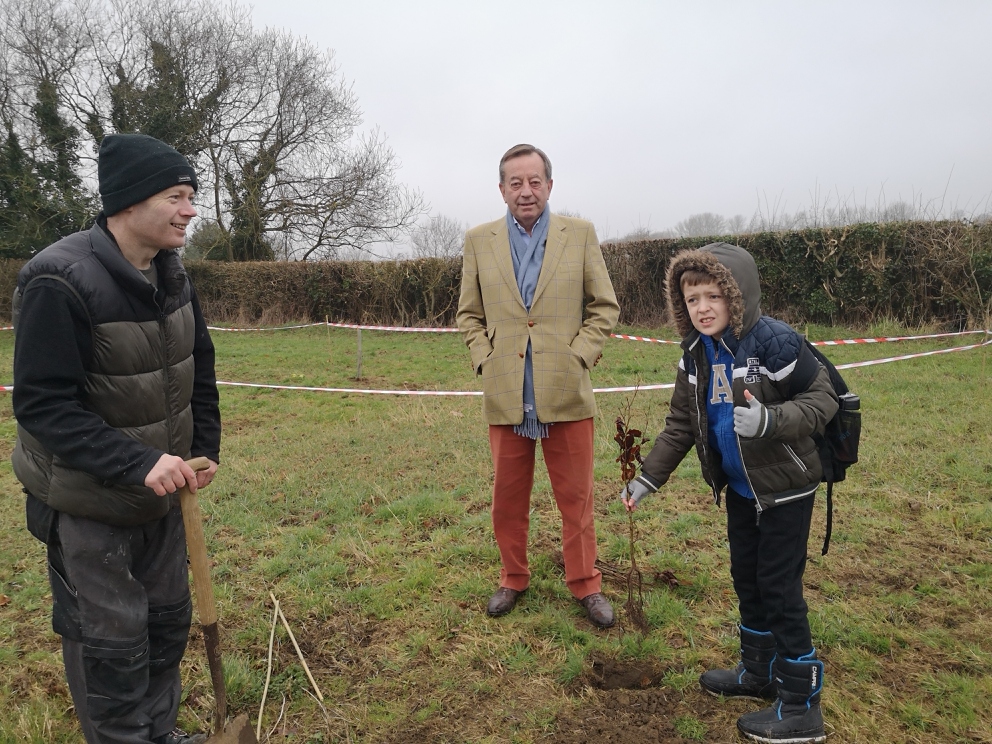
[(441, 236), (706, 224)]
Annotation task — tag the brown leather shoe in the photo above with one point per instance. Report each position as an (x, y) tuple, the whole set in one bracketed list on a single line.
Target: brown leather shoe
[(599, 610), (504, 600)]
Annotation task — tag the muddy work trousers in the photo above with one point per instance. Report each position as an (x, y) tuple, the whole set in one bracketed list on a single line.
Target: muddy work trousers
[(121, 603)]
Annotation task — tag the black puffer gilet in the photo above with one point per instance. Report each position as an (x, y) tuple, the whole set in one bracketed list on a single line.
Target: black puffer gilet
[(139, 379)]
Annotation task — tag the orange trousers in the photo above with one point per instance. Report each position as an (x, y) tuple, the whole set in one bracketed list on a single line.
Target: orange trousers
[(568, 454)]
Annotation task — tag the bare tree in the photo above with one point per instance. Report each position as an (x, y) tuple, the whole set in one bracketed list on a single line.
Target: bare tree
[(701, 225), (638, 233), (602, 234), (266, 118), (900, 211), (42, 195), (737, 224), (440, 237)]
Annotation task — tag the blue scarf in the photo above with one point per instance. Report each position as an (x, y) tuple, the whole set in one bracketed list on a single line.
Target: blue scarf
[(527, 253)]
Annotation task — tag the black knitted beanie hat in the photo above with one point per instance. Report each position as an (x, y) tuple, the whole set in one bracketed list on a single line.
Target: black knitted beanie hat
[(133, 167)]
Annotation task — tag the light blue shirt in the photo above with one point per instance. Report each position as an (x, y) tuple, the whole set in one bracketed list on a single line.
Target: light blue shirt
[(527, 252)]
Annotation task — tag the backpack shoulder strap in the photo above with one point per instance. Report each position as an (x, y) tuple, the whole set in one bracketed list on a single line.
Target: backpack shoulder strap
[(840, 387), (830, 517)]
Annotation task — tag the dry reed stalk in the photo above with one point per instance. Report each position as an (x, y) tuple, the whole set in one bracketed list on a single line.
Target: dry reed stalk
[(268, 671), (299, 653)]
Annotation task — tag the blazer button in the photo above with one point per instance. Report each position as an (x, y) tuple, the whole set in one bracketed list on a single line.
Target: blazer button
[(530, 323), (521, 355)]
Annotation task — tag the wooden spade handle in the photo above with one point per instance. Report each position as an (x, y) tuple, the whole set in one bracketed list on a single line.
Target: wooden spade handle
[(197, 547), (205, 604)]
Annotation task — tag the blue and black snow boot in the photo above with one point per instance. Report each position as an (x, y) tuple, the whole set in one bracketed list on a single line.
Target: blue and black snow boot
[(752, 677), (794, 717)]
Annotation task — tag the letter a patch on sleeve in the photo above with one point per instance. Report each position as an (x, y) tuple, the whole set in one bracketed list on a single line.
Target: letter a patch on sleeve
[(720, 389)]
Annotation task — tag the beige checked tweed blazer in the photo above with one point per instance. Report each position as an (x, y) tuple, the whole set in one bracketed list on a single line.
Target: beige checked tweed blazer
[(573, 312)]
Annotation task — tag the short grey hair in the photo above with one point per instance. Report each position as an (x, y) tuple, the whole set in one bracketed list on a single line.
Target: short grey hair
[(518, 151)]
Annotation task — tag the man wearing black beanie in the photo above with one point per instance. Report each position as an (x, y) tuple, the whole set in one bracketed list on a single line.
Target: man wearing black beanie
[(114, 388), (133, 167)]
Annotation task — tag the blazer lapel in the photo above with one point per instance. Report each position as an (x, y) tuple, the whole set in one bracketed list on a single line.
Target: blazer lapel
[(553, 250), (501, 251)]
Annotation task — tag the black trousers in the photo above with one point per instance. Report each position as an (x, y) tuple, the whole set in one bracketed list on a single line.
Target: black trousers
[(767, 562), (121, 603)]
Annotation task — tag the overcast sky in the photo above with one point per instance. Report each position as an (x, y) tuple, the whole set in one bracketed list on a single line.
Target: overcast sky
[(653, 111)]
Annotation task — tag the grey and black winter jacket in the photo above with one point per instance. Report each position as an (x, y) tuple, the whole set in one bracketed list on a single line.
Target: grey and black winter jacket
[(110, 373), (771, 360)]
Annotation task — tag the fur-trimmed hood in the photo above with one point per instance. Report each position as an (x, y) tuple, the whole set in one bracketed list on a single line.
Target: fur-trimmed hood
[(736, 274)]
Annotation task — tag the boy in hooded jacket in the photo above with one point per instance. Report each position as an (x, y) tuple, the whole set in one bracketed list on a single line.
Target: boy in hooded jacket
[(749, 395)]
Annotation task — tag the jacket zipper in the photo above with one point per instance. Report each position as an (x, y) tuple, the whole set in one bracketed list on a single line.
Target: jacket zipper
[(165, 370), (740, 451), (757, 504), (798, 496), (702, 436), (792, 453)]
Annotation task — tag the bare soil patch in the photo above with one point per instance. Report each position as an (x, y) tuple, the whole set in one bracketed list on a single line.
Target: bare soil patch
[(640, 716)]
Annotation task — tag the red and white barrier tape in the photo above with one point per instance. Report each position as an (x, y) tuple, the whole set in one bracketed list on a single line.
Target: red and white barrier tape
[(883, 339), (855, 365), (625, 389), (839, 342), (401, 329), (642, 338), (350, 390), (442, 393), (273, 328), (621, 336)]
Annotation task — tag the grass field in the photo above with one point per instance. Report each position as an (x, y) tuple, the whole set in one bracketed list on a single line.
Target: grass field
[(367, 517)]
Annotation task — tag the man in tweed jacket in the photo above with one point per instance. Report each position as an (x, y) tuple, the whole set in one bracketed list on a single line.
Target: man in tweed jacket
[(536, 308)]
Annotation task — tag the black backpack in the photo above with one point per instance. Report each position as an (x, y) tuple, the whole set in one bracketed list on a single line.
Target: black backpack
[(838, 446)]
